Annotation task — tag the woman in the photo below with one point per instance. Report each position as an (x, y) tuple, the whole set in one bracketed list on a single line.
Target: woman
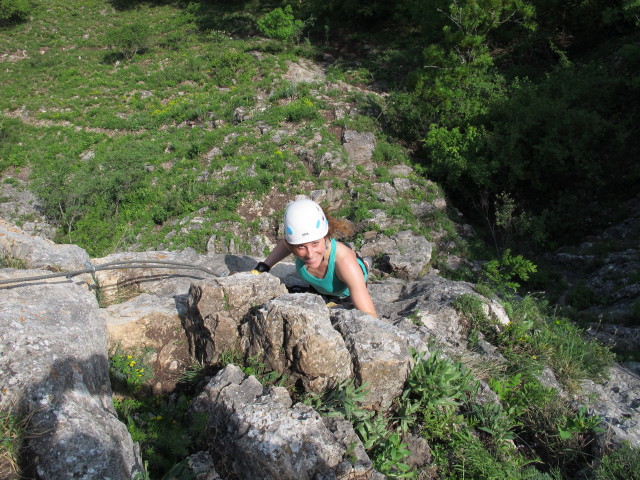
[(329, 266)]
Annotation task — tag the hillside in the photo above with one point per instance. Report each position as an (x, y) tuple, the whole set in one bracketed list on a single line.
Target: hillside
[(133, 127)]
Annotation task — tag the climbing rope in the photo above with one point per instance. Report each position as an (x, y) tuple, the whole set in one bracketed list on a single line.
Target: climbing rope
[(121, 265)]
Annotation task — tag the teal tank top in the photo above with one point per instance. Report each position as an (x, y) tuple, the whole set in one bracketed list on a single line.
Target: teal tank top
[(330, 284)]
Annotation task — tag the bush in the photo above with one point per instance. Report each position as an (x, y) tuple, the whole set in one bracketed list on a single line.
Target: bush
[(129, 39), (231, 67), (281, 25), (14, 10)]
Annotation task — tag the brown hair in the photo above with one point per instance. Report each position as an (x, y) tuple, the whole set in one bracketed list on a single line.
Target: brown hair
[(340, 228)]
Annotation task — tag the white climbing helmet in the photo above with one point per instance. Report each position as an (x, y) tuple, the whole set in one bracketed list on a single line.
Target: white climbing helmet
[(304, 221)]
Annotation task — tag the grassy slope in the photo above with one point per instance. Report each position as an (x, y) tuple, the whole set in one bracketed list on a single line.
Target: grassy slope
[(121, 150), (121, 146)]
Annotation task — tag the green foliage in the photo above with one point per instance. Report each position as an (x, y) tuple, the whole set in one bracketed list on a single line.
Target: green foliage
[(580, 422), (281, 24), (344, 400), (253, 366), (384, 446), (303, 109), (163, 428), (129, 370), (14, 10), (13, 431), (231, 67), (129, 39), (389, 153), (536, 336), (388, 451), (623, 463), (437, 381), (501, 274)]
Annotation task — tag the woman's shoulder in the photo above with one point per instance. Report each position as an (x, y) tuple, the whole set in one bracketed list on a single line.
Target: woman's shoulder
[(344, 252)]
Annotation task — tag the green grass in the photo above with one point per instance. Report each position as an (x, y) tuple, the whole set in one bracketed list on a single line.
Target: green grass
[(126, 141), (116, 135), (13, 434)]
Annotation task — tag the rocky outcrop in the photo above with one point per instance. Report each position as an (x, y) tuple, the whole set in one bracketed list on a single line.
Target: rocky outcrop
[(56, 338), (380, 354), (293, 334), (54, 370), (265, 437), (36, 252), (601, 276), (405, 255), (217, 308)]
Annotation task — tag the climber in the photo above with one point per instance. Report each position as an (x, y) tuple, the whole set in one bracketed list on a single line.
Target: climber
[(331, 267)]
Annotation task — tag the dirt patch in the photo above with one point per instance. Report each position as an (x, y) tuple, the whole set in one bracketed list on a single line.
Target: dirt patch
[(251, 209), (14, 56)]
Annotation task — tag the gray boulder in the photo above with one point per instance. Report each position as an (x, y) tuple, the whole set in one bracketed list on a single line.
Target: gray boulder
[(264, 437), (404, 254), (617, 402), (359, 147), (380, 355), (36, 252), (293, 335), (216, 309), (54, 368)]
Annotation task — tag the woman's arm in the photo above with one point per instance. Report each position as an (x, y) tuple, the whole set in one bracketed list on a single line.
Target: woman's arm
[(349, 271), (280, 252)]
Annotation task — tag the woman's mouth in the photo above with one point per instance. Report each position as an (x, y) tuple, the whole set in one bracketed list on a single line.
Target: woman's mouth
[(313, 260)]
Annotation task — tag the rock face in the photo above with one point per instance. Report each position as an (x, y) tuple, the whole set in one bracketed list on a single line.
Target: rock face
[(56, 338), (38, 252), (380, 355), (217, 308), (54, 367), (293, 335), (267, 437)]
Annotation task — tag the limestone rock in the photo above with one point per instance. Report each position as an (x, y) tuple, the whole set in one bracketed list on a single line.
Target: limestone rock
[(38, 252), (380, 355), (156, 274), (405, 254), (266, 440), (359, 147), (54, 366), (154, 323), (617, 402), (294, 335), (217, 307)]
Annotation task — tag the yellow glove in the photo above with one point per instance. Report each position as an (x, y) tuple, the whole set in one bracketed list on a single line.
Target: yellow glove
[(261, 267)]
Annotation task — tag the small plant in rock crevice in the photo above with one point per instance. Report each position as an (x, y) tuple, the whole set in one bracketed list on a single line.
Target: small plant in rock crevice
[(7, 261), (129, 370), (12, 437), (159, 423)]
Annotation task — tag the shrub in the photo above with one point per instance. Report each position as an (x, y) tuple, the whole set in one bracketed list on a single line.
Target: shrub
[(14, 10), (231, 67), (501, 273), (129, 39), (281, 25)]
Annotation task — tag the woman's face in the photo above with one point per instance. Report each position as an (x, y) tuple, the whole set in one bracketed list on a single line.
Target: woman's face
[(311, 253)]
